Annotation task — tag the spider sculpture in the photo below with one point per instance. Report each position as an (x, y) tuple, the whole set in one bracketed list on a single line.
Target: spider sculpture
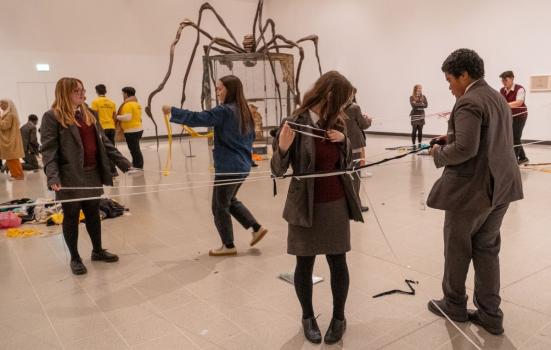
[(260, 42)]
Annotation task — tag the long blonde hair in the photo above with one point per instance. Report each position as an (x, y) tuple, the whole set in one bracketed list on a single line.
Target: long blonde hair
[(415, 88), (63, 109)]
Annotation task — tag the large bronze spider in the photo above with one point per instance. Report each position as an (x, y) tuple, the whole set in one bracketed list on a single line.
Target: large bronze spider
[(256, 43)]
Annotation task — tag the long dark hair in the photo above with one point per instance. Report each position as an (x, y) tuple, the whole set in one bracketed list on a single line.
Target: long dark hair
[(234, 94), (332, 92)]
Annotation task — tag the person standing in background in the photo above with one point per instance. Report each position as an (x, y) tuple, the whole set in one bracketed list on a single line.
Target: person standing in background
[(356, 123), (130, 116), (107, 114), (11, 144), (30, 143), (515, 95), (418, 103)]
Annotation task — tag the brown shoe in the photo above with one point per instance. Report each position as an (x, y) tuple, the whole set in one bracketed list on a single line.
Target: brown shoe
[(258, 235), (474, 317)]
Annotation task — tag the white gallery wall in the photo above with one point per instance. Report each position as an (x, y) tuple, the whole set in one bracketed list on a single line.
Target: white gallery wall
[(114, 42), (385, 47)]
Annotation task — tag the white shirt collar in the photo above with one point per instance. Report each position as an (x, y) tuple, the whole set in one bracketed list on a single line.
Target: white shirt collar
[(314, 116), (471, 84), (511, 89)]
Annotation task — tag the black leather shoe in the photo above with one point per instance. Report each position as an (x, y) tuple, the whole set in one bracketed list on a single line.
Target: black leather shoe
[(335, 331), (311, 330), (442, 305), (523, 161), (104, 255), (77, 267), (474, 317), (364, 209)]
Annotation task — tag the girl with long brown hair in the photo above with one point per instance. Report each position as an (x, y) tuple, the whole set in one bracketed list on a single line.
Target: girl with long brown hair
[(233, 139), (76, 153), (319, 210)]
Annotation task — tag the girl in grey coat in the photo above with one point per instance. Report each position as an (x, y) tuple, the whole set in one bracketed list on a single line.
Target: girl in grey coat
[(76, 153), (319, 210)]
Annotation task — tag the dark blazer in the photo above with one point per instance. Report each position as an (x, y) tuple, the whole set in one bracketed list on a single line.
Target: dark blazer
[(63, 155), (30, 141), (356, 123), (481, 170), (299, 206), (417, 113)]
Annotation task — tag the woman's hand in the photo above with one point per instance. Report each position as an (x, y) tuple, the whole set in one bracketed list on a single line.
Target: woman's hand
[(166, 109), (335, 135), (56, 187), (286, 137)]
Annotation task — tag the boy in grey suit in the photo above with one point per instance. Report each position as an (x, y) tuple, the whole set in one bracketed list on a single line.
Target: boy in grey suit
[(480, 179)]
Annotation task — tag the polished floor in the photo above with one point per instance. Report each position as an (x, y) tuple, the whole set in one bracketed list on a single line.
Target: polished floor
[(167, 293)]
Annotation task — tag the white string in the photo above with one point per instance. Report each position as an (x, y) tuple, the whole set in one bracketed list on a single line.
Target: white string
[(456, 326), (157, 185), (306, 126)]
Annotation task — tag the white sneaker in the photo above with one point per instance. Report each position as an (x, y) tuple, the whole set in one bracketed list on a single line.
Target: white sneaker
[(223, 251), (133, 171), (258, 235)]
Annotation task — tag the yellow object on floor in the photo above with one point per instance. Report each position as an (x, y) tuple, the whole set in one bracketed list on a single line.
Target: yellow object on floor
[(23, 233), (57, 218)]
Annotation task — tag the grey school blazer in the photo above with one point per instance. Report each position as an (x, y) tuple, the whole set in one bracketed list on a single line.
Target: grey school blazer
[(481, 170), (63, 155), (356, 123), (299, 206)]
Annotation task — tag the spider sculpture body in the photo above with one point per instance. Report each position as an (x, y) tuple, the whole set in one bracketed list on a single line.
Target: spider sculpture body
[(260, 41)]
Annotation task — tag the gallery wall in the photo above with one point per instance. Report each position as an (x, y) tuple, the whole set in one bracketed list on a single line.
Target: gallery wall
[(385, 47)]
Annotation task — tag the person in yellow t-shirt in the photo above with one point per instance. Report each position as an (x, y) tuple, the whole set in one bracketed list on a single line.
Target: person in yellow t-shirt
[(107, 111), (130, 117)]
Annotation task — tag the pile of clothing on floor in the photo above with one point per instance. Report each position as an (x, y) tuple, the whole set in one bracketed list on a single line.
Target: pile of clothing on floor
[(34, 212)]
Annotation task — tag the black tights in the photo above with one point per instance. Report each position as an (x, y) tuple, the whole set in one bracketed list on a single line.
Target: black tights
[(340, 281), (71, 212), (416, 130)]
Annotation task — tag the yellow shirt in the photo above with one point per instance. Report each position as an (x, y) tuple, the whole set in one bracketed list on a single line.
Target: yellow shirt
[(135, 123), (106, 110)]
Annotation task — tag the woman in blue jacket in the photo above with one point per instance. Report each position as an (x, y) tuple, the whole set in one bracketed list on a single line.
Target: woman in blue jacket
[(233, 139)]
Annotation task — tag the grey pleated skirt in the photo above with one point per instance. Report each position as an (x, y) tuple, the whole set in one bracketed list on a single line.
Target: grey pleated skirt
[(92, 178), (329, 234)]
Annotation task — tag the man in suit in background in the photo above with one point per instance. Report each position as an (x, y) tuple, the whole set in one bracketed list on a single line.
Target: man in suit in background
[(30, 143), (480, 179)]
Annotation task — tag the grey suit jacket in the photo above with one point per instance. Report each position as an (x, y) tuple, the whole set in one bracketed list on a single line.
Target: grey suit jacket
[(299, 206), (481, 170), (356, 123), (63, 154)]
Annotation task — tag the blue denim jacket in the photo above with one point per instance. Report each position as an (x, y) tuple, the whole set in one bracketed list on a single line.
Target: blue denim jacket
[(232, 149)]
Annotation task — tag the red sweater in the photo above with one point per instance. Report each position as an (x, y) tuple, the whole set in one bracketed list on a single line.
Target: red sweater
[(327, 189), (89, 142)]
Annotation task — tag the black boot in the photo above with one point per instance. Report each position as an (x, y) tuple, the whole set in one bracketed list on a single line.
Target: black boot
[(103, 255), (77, 267), (335, 331), (311, 330)]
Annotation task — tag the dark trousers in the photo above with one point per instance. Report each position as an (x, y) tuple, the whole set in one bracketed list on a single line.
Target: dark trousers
[(110, 133), (225, 205), (71, 212), (340, 281), (133, 142), (518, 126), (416, 131), (30, 162), (474, 236)]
